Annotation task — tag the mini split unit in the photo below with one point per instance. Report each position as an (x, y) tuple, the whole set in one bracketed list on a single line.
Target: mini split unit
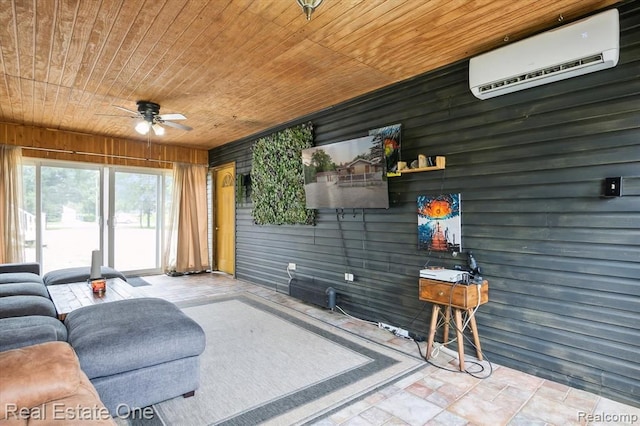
[(585, 46)]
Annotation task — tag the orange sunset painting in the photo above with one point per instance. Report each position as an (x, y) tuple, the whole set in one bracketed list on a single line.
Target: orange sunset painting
[(439, 225)]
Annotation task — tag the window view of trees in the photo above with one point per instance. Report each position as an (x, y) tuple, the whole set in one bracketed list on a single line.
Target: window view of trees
[(66, 192), (71, 210), (136, 199)]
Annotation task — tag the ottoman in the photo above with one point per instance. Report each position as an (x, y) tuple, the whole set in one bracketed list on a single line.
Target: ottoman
[(137, 352)]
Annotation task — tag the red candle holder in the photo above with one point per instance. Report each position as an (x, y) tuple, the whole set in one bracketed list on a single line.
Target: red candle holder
[(98, 286)]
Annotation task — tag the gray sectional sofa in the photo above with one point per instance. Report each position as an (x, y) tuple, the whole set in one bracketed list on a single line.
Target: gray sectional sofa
[(27, 314), (135, 352), (22, 291)]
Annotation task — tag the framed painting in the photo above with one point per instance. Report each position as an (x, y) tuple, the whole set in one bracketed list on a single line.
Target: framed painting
[(439, 224), (389, 137)]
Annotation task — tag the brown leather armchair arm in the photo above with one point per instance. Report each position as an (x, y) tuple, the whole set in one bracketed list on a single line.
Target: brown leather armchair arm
[(43, 384)]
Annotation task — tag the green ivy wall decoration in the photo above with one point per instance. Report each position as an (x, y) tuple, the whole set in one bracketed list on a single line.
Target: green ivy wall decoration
[(277, 181)]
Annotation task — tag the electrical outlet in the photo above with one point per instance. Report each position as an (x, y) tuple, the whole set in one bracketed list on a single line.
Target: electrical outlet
[(348, 277), (291, 267)]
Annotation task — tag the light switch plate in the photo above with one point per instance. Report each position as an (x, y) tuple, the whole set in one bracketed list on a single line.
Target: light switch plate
[(613, 187)]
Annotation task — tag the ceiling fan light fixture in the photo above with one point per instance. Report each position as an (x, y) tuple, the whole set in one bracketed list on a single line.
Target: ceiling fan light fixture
[(308, 6), (158, 129), (143, 127)]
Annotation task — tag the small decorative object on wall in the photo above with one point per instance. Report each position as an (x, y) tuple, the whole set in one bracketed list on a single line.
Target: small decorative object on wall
[(242, 183), (389, 137), (277, 182), (439, 225)]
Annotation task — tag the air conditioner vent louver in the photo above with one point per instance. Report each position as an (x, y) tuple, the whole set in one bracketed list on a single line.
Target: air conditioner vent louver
[(570, 65)]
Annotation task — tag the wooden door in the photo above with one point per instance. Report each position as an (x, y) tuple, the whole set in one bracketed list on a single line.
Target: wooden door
[(224, 213)]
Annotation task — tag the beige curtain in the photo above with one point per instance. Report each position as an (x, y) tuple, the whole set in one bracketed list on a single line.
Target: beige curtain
[(186, 242), (12, 242)]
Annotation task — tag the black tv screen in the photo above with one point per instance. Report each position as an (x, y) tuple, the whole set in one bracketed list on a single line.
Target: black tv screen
[(348, 174)]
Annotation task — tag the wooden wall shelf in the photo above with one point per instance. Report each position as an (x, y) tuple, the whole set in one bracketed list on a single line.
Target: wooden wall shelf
[(440, 165)]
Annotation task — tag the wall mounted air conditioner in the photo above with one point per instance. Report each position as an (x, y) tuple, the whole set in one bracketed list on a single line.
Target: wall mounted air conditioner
[(585, 46)]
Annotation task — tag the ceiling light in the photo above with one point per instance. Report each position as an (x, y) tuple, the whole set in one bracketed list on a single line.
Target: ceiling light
[(308, 6), (143, 127), (158, 129)]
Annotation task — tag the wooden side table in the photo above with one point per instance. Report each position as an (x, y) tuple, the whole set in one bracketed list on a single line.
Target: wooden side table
[(457, 298)]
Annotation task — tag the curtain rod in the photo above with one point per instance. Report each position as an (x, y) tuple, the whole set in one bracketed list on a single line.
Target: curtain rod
[(123, 157)]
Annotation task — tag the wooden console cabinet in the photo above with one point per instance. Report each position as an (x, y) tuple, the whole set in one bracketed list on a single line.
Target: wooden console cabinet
[(450, 297)]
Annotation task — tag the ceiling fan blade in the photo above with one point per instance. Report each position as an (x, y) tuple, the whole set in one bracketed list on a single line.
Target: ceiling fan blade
[(127, 110), (172, 117), (118, 115), (177, 125)]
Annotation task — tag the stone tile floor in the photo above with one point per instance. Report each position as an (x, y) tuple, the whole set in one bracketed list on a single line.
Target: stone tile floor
[(431, 396)]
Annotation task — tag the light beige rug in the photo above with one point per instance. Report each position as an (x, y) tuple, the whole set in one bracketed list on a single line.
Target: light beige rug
[(269, 364)]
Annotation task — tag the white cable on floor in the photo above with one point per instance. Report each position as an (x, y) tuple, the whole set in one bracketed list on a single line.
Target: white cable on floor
[(357, 319)]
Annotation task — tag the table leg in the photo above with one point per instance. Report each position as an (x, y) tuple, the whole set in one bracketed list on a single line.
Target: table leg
[(458, 318), (474, 330), (432, 329), (445, 330)]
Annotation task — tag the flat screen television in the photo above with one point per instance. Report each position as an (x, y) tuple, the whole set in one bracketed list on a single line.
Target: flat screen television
[(348, 174)]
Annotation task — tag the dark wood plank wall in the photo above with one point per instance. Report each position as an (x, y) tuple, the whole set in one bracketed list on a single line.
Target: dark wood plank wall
[(563, 263)]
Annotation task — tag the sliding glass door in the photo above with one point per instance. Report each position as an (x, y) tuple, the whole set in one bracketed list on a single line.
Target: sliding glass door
[(136, 221), (65, 209), (65, 202)]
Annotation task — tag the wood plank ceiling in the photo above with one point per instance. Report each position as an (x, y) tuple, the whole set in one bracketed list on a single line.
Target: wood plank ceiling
[(235, 67)]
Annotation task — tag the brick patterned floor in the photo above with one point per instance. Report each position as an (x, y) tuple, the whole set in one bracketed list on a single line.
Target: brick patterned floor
[(431, 396)]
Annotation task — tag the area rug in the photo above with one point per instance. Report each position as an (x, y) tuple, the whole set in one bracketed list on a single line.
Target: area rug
[(137, 281), (269, 364)]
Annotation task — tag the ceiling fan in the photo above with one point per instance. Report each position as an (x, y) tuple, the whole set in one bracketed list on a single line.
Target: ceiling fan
[(149, 117)]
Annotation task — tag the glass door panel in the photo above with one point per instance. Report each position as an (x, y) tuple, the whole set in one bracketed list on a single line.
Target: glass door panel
[(28, 218), (135, 221), (70, 199)]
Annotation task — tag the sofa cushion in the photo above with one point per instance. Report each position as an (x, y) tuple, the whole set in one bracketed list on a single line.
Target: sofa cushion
[(20, 277), (32, 267), (18, 306), (75, 275), (23, 289), (116, 337), (17, 332)]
